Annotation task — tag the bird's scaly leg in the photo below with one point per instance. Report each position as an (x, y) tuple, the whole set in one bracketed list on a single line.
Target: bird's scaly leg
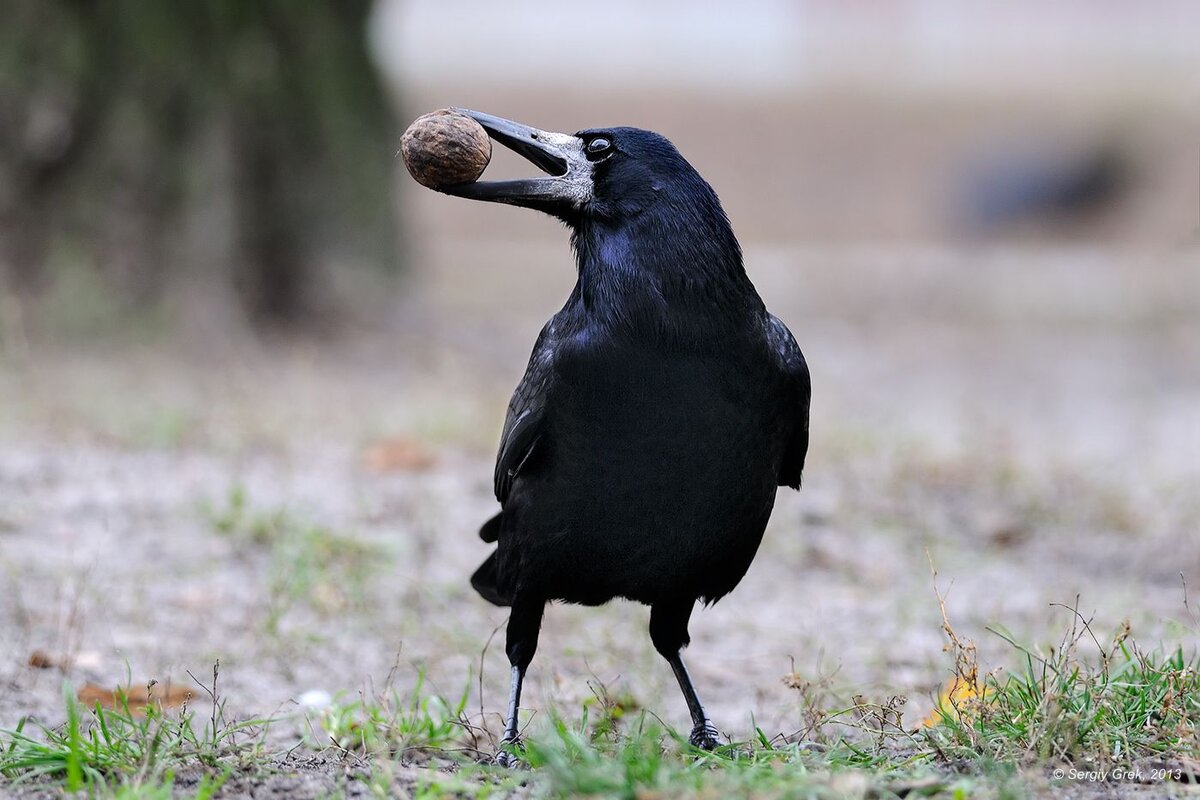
[(524, 624), (512, 736), (703, 735), (668, 631)]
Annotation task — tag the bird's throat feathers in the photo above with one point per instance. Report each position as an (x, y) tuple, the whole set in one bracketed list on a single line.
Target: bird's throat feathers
[(663, 271)]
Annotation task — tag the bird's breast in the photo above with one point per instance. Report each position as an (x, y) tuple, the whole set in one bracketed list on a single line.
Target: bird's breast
[(676, 422), (658, 476)]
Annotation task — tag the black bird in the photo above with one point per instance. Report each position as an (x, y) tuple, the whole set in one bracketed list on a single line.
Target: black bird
[(1057, 190), (661, 408)]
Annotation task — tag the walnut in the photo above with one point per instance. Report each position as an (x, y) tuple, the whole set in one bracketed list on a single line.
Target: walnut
[(444, 147)]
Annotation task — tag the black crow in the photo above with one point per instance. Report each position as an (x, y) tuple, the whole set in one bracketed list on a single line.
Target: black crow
[(661, 408)]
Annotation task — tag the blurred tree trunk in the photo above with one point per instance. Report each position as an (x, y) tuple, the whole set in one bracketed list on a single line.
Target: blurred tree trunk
[(103, 104)]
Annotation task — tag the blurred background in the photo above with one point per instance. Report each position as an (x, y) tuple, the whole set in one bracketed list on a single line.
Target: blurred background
[(242, 154), (982, 222)]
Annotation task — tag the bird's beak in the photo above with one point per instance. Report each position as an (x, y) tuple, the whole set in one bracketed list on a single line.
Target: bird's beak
[(568, 182)]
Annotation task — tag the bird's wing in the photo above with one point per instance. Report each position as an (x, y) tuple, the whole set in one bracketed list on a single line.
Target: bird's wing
[(796, 376), (526, 412)]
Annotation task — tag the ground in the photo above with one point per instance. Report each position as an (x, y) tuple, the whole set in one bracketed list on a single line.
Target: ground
[(1023, 421)]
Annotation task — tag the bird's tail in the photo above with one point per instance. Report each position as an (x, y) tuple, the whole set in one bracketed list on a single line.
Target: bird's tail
[(486, 581), (490, 531)]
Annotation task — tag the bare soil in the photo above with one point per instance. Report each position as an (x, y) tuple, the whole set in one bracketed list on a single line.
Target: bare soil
[(1026, 419)]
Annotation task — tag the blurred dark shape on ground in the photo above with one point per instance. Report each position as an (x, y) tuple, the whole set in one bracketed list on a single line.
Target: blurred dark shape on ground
[(1043, 188), (239, 149)]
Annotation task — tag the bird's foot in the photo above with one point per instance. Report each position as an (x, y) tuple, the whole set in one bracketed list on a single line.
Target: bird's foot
[(704, 736), (507, 756)]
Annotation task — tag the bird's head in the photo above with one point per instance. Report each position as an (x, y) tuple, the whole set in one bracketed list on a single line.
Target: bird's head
[(640, 213), (605, 176)]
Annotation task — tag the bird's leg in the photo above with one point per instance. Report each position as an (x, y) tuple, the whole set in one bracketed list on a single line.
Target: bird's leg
[(511, 734), (524, 623), (668, 631), (703, 735)]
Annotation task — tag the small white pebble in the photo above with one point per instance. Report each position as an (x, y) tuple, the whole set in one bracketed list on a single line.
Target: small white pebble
[(315, 698)]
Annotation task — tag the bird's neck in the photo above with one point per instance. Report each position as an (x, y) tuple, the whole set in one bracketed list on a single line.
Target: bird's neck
[(663, 282)]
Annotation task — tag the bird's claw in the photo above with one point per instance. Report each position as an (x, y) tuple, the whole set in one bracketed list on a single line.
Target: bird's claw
[(506, 757), (704, 736)]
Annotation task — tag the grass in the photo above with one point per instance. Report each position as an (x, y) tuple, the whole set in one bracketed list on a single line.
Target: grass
[(654, 761), (1120, 707), (309, 564), (1107, 710), (129, 750), (1085, 704), (642, 759), (392, 724)]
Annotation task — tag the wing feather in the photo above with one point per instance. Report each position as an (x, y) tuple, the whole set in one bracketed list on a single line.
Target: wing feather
[(795, 369), (524, 425)]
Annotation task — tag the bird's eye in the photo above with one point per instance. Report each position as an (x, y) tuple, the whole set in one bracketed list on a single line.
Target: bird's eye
[(598, 147)]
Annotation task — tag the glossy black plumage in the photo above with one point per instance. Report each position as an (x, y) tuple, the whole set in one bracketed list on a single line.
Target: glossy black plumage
[(661, 408)]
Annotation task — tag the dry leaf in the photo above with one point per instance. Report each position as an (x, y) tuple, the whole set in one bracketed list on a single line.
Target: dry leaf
[(398, 455), (960, 696), (40, 659), (136, 697)]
